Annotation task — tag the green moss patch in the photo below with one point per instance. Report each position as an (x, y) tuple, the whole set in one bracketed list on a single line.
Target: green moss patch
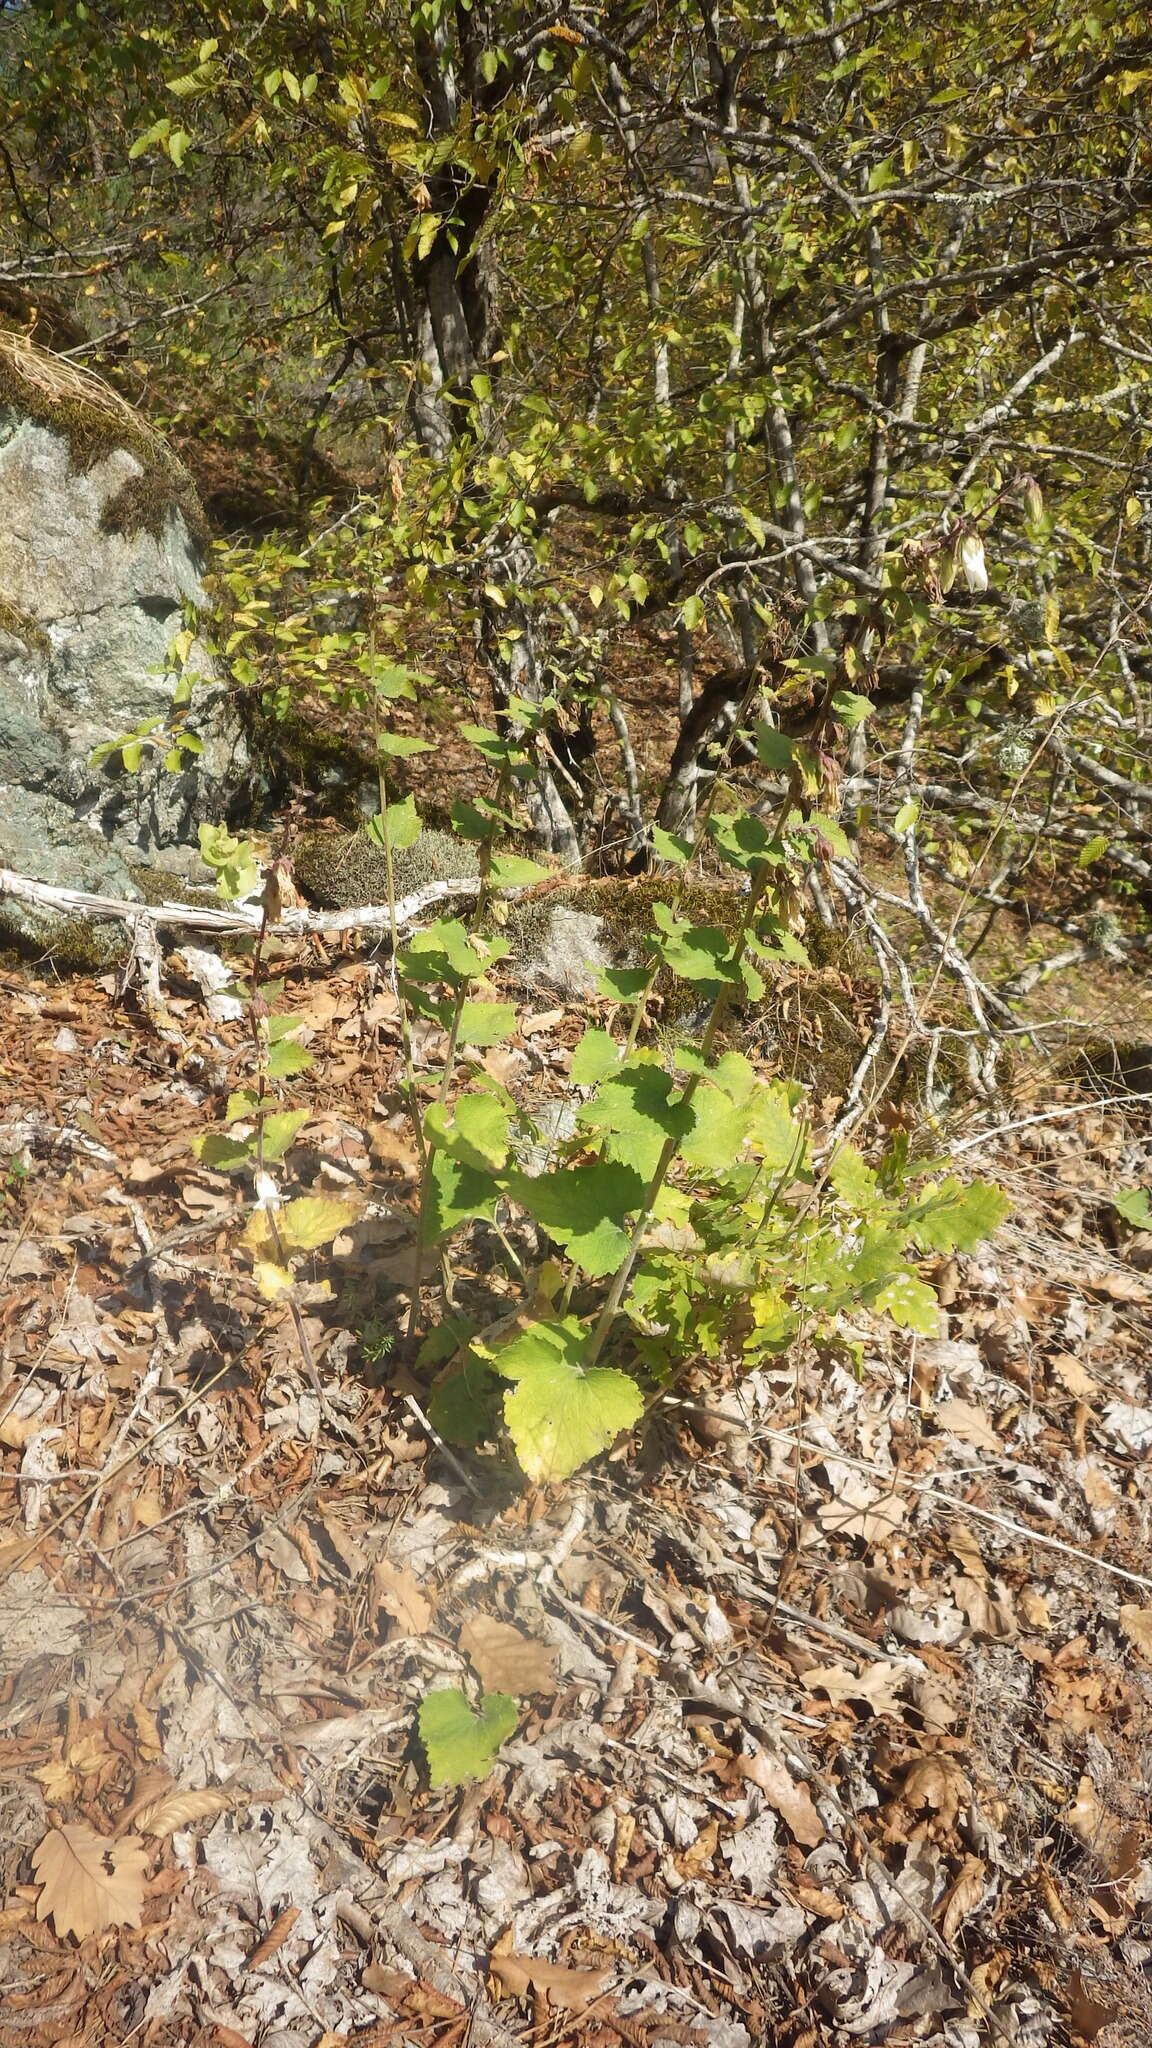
[(347, 870)]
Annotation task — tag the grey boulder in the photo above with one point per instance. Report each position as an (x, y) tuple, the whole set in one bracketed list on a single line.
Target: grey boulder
[(101, 548)]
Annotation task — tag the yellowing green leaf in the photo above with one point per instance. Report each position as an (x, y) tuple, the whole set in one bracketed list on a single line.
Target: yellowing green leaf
[(279, 1130), (911, 1303), (512, 871), (561, 1414), (313, 1220), (221, 1153), (272, 1280), (1134, 1205), (458, 1743), (286, 1057), (486, 1023), (851, 1176), (716, 1139), (954, 1218)]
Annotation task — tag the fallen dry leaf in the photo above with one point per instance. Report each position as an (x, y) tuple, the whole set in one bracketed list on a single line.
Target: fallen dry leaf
[(275, 1938), (397, 1591), (1071, 1373), (504, 1660), (877, 1685), (408, 1994), (966, 1550), (60, 1784), (1097, 1488), (175, 1810), (89, 1882), (860, 1509), (1111, 1845), (985, 1616), (574, 1990), (1034, 1609), (792, 1801), (1136, 1623), (937, 1782), (1090, 2008), (963, 1897), (394, 1985), (936, 1697), (964, 1420)]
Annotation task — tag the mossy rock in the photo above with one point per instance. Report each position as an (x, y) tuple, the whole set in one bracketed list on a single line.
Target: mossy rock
[(95, 421), (22, 626), (74, 945), (348, 870)]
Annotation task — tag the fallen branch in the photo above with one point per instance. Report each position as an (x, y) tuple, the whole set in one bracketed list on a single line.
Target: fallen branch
[(238, 917)]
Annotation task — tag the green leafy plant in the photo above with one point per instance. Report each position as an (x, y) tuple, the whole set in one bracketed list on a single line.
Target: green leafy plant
[(690, 1214)]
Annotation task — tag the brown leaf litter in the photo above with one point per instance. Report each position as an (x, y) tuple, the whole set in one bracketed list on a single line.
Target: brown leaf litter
[(835, 1687)]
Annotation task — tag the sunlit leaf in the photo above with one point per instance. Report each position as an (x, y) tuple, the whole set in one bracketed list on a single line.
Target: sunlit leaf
[(560, 1414), (585, 1209), (458, 1743)]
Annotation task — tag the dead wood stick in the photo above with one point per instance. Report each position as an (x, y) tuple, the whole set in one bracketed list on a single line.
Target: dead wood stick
[(238, 917)]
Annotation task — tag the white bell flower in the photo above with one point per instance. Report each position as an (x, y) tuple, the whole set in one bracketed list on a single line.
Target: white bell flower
[(970, 559)]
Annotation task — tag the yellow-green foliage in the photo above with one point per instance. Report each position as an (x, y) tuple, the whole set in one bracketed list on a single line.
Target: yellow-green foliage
[(95, 421), (347, 870)]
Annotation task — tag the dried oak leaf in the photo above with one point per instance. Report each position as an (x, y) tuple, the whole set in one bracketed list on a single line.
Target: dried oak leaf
[(504, 1660), (937, 1782), (971, 1424), (88, 1881), (877, 1685), (985, 1615), (1115, 1848), (859, 1509), (575, 1990), (1068, 1369)]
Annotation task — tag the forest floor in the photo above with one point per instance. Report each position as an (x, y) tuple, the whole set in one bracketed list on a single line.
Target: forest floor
[(834, 1682)]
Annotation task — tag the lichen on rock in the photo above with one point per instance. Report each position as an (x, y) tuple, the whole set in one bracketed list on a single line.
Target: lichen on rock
[(41, 837), (100, 572)]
